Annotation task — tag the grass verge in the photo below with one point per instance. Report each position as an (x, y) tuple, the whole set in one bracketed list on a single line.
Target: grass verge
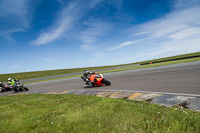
[(80, 113)]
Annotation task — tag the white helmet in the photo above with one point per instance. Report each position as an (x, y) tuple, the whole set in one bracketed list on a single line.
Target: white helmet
[(9, 79)]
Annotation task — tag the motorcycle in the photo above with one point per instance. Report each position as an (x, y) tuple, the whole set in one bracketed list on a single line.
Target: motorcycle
[(94, 79), (19, 87), (4, 87)]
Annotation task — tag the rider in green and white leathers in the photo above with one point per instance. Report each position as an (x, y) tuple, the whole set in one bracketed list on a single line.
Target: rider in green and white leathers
[(11, 82)]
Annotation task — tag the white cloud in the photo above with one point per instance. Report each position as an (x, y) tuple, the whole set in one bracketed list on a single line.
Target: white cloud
[(115, 3), (93, 3), (7, 33), (181, 4), (167, 49), (62, 25), (95, 30), (15, 66), (176, 32), (65, 23), (97, 59), (60, 1), (192, 32), (170, 24), (48, 60), (86, 47), (17, 10), (124, 44), (69, 20), (10, 9)]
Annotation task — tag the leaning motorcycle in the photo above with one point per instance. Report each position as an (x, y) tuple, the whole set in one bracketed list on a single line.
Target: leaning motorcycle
[(19, 87), (95, 79)]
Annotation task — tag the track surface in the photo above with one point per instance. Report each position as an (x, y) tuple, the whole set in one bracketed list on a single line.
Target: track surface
[(180, 78)]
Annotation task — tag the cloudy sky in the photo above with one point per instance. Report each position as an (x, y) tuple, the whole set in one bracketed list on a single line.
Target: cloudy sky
[(57, 34)]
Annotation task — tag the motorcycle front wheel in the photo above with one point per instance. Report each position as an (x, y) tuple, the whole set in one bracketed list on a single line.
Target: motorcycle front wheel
[(107, 83), (25, 88)]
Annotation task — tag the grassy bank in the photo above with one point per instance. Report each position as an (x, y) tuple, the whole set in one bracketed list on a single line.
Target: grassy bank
[(80, 113), (178, 57)]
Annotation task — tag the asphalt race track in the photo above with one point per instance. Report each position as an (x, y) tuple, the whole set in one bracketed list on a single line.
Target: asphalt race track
[(179, 78)]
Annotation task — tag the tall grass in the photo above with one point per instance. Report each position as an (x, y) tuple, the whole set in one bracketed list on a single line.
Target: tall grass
[(80, 113)]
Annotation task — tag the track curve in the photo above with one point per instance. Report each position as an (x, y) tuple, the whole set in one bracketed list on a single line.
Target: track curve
[(179, 78)]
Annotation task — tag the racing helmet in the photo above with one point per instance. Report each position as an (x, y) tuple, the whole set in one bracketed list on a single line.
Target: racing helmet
[(9, 79), (85, 70)]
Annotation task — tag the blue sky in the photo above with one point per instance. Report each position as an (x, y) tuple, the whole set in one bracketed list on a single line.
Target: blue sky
[(57, 34)]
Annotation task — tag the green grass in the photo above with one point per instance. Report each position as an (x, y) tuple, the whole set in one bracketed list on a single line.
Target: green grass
[(37, 74), (79, 113)]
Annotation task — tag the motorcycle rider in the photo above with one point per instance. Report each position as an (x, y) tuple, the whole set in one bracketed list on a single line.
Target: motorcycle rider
[(11, 82), (93, 76), (17, 81), (86, 73)]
